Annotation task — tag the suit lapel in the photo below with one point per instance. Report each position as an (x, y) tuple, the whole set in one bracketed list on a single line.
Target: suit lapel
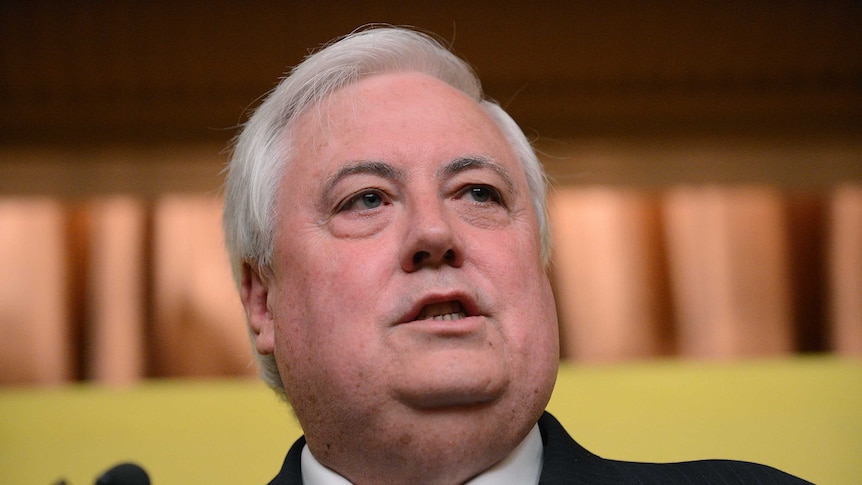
[(291, 470), (567, 462)]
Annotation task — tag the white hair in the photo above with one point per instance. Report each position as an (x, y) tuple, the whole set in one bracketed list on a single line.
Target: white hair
[(263, 147)]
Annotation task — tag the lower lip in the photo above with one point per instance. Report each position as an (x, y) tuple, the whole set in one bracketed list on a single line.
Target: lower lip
[(447, 328)]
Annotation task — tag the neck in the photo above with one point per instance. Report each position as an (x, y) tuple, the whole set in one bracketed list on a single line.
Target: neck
[(435, 447)]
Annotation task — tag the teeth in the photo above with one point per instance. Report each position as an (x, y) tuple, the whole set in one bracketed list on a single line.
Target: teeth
[(450, 310), (448, 316)]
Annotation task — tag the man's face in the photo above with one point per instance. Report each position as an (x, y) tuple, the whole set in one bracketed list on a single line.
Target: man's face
[(407, 278)]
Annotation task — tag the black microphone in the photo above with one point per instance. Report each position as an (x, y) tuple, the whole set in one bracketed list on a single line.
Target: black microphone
[(124, 474)]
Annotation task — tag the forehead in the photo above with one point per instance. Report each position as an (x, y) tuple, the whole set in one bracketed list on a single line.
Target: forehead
[(396, 117)]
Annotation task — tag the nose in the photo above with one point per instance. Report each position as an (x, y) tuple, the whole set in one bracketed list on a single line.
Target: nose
[(430, 239)]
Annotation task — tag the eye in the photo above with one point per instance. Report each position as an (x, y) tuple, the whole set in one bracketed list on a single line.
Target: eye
[(370, 200), (483, 194), (363, 201)]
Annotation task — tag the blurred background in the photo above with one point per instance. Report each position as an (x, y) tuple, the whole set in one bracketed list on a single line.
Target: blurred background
[(706, 161)]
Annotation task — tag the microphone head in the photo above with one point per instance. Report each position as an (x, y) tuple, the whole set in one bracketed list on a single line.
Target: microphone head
[(124, 474)]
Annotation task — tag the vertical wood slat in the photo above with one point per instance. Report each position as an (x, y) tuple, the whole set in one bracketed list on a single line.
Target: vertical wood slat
[(807, 216), (198, 324), (728, 260), (116, 290), (609, 275), (845, 268), (35, 336)]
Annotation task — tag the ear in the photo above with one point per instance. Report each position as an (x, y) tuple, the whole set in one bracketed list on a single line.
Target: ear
[(254, 294)]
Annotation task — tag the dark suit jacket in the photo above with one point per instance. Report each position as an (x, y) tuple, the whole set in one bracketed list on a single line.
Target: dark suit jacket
[(567, 463)]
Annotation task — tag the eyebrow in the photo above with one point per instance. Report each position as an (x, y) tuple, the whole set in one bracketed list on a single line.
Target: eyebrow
[(476, 163)]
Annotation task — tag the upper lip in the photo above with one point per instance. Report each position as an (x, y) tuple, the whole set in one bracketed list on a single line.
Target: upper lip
[(467, 302)]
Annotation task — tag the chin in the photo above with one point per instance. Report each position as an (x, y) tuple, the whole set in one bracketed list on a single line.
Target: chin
[(449, 397), (453, 385)]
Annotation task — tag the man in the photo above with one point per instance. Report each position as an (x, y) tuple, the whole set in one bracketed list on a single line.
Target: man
[(387, 230)]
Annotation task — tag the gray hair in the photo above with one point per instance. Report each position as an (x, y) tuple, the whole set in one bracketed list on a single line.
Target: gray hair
[(263, 147)]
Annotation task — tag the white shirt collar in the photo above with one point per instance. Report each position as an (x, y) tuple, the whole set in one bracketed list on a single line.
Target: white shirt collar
[(522, 466)]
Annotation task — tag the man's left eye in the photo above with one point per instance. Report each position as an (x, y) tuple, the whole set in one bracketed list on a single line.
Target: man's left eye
[(371, 200), (365, 200), (483, 193)]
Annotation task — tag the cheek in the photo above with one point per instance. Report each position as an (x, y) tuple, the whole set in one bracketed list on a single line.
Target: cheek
[(326, 355), (513, 257), (352, 280), (329, 295), (520, 276), (535, 336)]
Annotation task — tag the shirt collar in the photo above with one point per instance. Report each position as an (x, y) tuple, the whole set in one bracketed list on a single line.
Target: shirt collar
[(522, 466)]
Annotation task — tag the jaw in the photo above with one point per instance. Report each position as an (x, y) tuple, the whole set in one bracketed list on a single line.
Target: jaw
[(407, 440)]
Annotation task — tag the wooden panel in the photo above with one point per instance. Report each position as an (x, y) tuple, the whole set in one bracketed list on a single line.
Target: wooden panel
[(198, 325), (36, 342), (728, 260), (116, 290), (609, 274), (845, 264)]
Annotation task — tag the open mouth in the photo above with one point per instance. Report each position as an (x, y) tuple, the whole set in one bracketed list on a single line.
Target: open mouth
[(447, 310)]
